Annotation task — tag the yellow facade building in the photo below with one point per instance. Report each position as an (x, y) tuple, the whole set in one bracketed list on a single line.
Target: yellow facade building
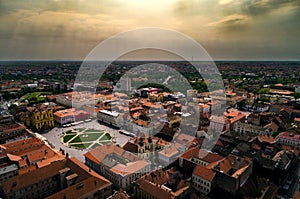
[(40, 119), (153, 97)]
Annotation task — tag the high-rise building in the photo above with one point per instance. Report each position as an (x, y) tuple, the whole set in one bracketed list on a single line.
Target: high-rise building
[(125, 83)]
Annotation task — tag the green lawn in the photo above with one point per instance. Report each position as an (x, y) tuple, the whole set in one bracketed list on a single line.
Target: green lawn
[(96, 145), (106, 137), (80, 129), (66, 138), (70, 132), (41, 99), (35, 96), (90, 137), (93, 131)]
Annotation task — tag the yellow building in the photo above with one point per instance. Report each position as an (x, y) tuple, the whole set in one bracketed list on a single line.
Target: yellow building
[(156, 97), (40, 119), (43, 119)]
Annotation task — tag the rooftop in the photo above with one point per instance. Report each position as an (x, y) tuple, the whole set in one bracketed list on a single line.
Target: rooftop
[(268, 139), (159, 183), (9, 168), (289, 136), (89, 179), (233, 165), (30, 153), (111, 113), (69, 112), (204, 173), (119, 160), (201, 154)]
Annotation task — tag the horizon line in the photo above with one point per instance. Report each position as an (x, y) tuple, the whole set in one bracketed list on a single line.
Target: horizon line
[(134, 60)]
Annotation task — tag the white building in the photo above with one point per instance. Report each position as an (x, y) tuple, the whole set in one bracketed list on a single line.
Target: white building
[(117, 165), (289, 139), (219, 123), (203, 180), (109, 117), (170, 153), (125, 84)]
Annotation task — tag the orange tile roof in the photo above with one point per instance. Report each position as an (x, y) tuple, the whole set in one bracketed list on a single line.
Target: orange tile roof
[(129, 168), (141, 122), (68, 112), (22, 146), (237, 163), (13, 158), (88, 187), (268, 139), (11, 127), (201, 154), (99, 154), (169, 151), (136, 109), (136, 114), (297, 119), (30, 151), (153, 184), (148, 104), (85, 176), (204, 173)]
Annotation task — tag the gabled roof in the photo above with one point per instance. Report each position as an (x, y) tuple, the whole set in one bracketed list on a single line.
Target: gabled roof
[(201, 154), (204, 173), (29, 178)]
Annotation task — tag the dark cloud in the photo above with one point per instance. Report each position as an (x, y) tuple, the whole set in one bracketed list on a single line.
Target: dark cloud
[(260, 7)]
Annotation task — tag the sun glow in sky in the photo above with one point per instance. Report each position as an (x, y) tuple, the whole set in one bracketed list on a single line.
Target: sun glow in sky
[(227, 29)]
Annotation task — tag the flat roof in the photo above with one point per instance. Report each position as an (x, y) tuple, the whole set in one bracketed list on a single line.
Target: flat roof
[(8, 169), (111, 113)]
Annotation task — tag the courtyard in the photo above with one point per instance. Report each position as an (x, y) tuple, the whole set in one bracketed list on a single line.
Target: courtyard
[(85, 138), (55, 138)]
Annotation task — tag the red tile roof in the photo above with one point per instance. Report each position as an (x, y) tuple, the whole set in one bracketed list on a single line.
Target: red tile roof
[(268, 139), (85, 176), (153, 184), (201, 154), (99, 154), (204, 173), (289, 136)]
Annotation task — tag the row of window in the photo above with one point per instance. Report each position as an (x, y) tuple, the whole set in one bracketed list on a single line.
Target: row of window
[(202, 188), (200, 181)]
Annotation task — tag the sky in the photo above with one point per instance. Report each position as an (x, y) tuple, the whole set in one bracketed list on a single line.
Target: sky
[(227, 29)]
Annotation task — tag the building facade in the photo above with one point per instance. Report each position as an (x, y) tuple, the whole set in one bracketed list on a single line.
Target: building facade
[(68, 178), (203, 180), (289, 139), (70, 115), (116, 164)]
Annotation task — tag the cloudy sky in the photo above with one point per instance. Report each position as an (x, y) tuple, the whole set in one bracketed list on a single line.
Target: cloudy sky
[(227, 29)]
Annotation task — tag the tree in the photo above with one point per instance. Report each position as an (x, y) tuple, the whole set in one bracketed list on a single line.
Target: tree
[(297, 95)]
